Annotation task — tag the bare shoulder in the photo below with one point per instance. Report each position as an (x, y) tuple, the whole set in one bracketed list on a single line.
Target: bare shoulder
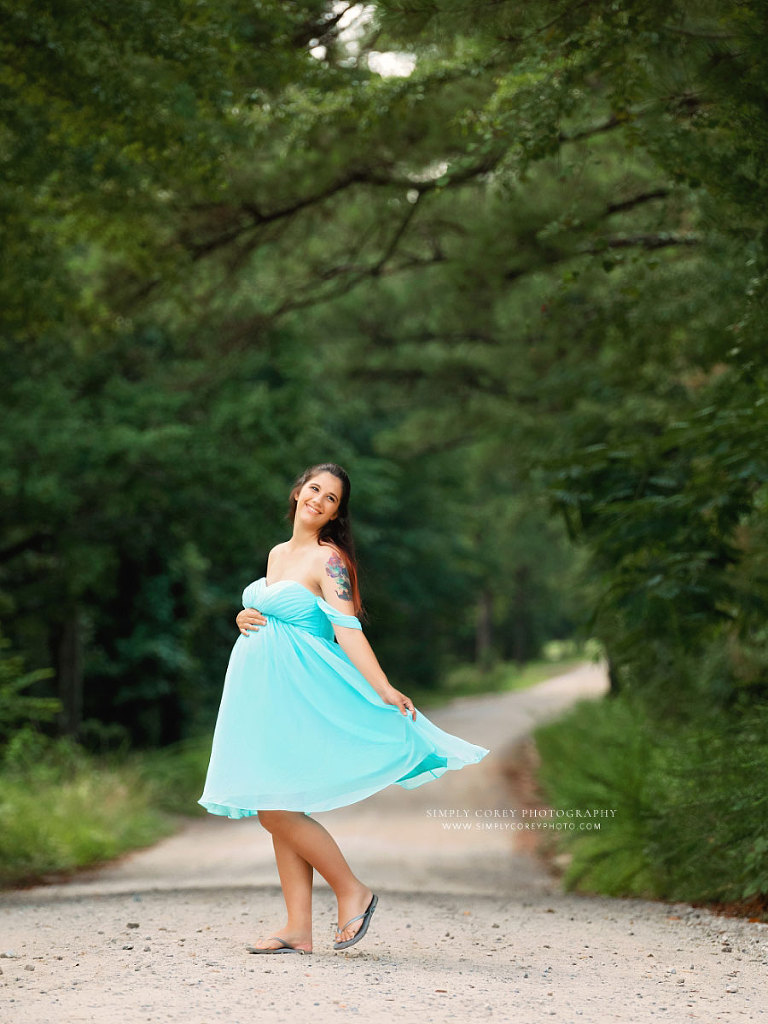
[(274, 555), (327, 554)]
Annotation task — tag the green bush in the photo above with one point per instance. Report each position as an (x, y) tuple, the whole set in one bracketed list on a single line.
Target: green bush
[(689, 798), (61, 808), (16, 706), (175, 775), (469, 679)]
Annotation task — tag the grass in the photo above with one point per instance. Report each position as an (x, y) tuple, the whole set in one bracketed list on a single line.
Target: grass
[(67, 810), (504, 676), (62, 809), (689, 800)]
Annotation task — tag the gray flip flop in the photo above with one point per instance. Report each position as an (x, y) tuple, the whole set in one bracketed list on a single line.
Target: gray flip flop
[(285, 948), (363, 927)]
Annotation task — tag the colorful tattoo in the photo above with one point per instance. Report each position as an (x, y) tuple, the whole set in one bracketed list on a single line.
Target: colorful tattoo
[(337, 570)]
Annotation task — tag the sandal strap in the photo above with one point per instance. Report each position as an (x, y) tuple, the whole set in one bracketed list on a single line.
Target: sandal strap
[(351, 921)]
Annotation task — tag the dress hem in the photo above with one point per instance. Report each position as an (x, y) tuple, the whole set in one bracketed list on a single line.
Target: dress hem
[(222, 808)]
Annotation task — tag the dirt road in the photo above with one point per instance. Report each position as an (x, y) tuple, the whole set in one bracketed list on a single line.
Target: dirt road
[(468, 925)]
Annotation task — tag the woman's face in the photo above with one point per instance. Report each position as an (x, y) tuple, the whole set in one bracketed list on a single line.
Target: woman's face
[(318, 500)]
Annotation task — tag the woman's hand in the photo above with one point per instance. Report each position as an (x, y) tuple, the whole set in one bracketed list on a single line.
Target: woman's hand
[(399, 700), (249, 618)]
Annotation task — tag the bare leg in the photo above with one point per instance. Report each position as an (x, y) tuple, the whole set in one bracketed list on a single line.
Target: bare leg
[(310, 841), (296, 881)]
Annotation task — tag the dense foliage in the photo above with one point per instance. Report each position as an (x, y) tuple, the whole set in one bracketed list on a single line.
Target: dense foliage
[(683, 802), (518, 287)]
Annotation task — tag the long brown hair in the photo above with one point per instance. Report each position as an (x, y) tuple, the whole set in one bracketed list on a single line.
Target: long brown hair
[(336, 532)]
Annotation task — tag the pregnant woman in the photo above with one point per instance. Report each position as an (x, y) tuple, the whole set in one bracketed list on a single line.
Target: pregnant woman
[(307, 724)]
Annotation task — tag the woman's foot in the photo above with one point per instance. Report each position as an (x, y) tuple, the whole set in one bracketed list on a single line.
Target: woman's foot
[(350, 906), (299, 940)]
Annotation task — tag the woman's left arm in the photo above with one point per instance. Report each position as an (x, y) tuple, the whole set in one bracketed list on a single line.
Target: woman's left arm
[(360, 653), (337, 592)]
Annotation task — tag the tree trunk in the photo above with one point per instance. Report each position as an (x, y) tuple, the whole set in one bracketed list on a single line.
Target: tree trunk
[(614, 686), (484, 630), (520, 622), (69, 673)]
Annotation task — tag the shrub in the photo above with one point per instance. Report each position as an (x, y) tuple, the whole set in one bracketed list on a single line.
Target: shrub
[(689, 800)]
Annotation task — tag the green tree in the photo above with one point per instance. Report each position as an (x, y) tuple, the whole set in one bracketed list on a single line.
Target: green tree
[(534, 264)]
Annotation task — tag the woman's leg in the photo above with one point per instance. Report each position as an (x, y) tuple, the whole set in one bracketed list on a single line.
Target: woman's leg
[(296, 883), (310, 841)]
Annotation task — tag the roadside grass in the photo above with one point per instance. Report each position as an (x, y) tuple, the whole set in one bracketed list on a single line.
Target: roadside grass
[(62, 809), (689, 801), (469, 680), (175, 775)]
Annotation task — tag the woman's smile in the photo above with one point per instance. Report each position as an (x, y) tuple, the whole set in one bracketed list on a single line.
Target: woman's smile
[(319, 497)]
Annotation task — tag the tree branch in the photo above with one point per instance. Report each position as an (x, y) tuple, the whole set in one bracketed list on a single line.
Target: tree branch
[(353, 275), (644, 241), (614, 121), (641, 241), (259, 218), (35, 542), (685, 103), (638, 200), (698, 33), (392, 247)]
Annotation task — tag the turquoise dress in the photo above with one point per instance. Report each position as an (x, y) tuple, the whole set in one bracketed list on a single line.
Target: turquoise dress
[(300, 729)]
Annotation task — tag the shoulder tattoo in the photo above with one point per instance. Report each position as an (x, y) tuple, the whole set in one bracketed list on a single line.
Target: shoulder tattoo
[(337, 570)]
